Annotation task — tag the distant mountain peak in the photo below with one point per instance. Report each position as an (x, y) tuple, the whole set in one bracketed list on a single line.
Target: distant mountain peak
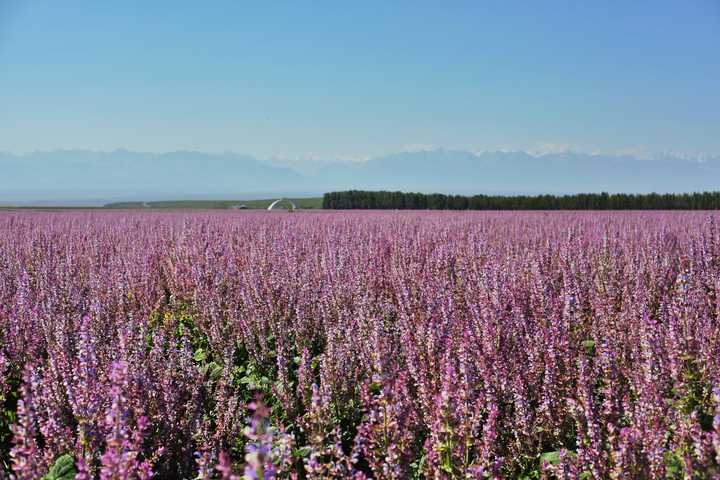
[(128, 174)]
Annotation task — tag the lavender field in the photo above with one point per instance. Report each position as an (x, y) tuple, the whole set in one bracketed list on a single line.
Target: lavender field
[(359, 345)]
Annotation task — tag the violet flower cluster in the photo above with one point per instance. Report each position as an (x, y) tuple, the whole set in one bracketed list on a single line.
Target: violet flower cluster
[(225, 345)]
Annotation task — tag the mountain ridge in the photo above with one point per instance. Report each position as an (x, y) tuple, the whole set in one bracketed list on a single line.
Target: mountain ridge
[(127, 174)]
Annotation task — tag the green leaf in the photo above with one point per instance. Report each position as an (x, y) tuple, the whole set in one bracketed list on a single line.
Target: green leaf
[(418, 467), (200, 355), (215, 370), (673, 463), (553, 458), (302, 452), (64, 469)]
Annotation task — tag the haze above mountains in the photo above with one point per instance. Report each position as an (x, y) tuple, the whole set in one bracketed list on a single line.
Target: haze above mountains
[(79, 176)]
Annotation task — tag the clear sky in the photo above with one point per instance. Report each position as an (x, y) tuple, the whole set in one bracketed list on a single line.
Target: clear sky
[(360, 78)]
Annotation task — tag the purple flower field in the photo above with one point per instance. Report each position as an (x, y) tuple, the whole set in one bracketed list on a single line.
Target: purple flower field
[(359, 345)]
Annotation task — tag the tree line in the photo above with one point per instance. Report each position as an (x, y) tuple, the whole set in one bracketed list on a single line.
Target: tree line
[(359, 199)]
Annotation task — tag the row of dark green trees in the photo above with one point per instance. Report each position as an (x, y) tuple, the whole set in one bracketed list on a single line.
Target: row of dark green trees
[(359, 199)]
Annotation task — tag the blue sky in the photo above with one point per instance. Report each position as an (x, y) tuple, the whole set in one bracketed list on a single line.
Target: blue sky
[(360, 79)]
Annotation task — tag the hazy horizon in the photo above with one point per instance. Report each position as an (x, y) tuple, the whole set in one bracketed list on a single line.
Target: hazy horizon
[(97, 177)]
